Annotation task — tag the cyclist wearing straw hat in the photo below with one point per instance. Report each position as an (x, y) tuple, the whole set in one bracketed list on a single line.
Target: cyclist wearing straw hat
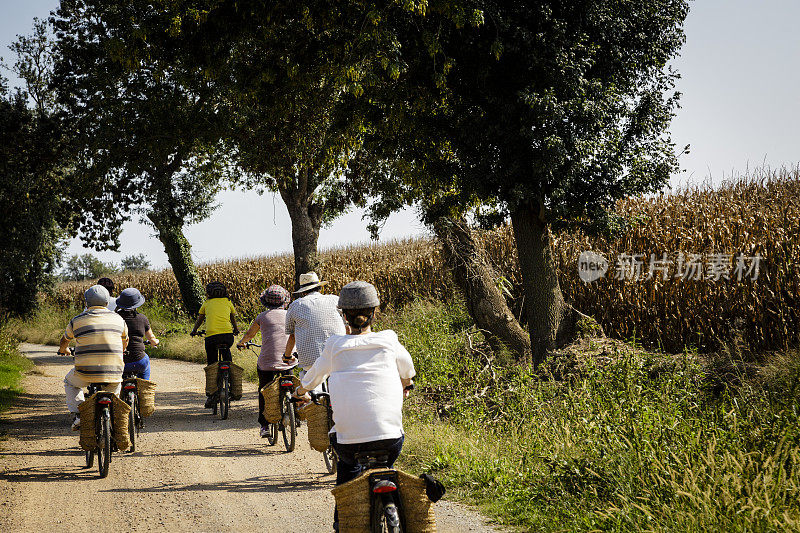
[(310, 320)]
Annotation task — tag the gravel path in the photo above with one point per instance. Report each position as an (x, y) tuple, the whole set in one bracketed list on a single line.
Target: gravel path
[(191, 471)]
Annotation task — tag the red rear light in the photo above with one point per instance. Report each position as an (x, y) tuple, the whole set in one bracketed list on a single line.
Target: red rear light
[(287, 384), (130, 387), (104, 402), (224, 367), (382, 489)]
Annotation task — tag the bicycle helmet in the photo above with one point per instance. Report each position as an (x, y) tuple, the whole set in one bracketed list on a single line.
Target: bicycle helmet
[(216, 289), (274, 296), (358, 295), (95, 296)]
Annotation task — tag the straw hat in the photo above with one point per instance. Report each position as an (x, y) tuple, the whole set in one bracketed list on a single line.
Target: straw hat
[(309, 281)]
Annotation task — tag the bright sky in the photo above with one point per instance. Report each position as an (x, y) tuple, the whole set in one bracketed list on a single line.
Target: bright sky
[(740, 71)]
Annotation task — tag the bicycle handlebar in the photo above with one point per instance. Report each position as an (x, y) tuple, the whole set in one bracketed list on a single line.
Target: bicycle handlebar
[(248, 345), (199, 332)]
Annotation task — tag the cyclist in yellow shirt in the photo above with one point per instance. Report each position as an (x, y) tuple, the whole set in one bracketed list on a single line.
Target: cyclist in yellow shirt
[(220, 318)]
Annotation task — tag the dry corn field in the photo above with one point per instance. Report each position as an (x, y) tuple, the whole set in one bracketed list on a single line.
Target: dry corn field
[(754, 216)]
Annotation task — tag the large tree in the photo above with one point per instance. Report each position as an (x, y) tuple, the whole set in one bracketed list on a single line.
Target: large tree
[(287, 75), (547, 111), (38, 202), (153, 142)]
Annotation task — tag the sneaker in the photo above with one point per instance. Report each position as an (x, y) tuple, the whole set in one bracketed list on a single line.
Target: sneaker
[(264, 432), (210, 401), (76, 423)]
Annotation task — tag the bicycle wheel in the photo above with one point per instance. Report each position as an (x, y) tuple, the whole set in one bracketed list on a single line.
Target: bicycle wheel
[(288, 422), (224, 395), (378, 520), (330, 459), (272, 434), (104, 451), (132, 421)]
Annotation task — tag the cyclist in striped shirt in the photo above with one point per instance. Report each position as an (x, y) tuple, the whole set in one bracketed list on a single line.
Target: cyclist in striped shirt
[(100, 336)]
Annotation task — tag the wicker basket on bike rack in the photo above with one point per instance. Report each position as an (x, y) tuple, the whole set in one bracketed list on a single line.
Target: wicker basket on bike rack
[(236, 382), (120, 411), (86, 411), (272, 398), (146, 392), (318, 425), (353, 503), (271, 394), (211, 379)]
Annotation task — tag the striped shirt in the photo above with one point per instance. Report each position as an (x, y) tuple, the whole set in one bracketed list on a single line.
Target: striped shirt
[(312, 319), (98, 334)]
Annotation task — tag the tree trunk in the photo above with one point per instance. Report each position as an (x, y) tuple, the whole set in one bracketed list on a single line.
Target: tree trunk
[(477, 281), (551, 321), (306, 221), (179, 253)]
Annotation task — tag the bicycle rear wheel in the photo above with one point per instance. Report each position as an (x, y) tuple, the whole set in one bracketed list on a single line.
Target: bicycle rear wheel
[(379, 523), (224, 395), (330, 459), (272, 434), (104, 440), (132, 430), (288, 422)]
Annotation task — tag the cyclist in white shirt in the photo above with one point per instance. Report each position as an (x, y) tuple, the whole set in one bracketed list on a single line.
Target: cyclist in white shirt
[(369, 374)]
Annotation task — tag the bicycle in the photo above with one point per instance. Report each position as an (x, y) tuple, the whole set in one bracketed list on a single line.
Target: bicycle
[(223, 394), (288, 422), (386, 510), (329, 455), (130, 395), (104, 427), (272, 429)]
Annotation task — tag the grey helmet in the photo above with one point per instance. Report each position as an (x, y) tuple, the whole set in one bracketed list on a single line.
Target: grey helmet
[(358, 295), (95, 296)]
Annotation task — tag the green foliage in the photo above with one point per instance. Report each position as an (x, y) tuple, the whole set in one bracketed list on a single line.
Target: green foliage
[(135, 262), (86, 266), (32, 201), (12, 366), (625, 441)]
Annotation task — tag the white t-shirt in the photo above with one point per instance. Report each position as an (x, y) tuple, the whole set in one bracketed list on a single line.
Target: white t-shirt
[(112, 304), (364, 384)]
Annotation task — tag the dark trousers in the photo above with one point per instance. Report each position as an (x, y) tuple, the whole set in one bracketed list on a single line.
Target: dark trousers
[(347, 467), (218, 347), (264, 377)]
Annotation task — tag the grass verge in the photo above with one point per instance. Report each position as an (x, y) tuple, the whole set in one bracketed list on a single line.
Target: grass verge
[(12, 366), (625, 440)]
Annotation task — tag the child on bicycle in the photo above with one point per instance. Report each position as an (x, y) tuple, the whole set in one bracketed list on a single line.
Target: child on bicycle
[(370, 375), (220, 318), (271, 323), (136, 359)]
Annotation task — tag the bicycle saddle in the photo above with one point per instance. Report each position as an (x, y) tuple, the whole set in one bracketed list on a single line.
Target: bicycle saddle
[(372, 458)]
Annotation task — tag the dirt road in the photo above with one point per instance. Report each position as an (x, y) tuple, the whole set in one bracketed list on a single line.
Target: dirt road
[(191, 471)]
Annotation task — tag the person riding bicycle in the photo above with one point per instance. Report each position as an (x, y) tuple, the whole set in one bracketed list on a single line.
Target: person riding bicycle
[(271, 322), (370, 374), (220, 317), (100, 336), (310, 320), (136, 359)]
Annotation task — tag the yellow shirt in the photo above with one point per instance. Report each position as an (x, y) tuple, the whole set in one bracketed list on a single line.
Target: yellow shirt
[(218, 313)]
